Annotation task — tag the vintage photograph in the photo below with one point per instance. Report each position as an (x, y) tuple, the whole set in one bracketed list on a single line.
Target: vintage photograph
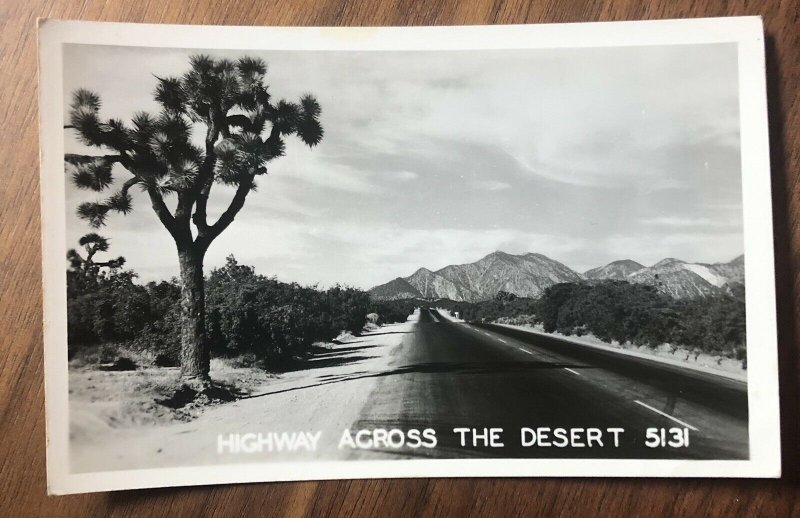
[(348, 255)]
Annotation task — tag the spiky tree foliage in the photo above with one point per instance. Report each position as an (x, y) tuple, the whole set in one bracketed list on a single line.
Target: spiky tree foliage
[(87, 266), (243, 131)]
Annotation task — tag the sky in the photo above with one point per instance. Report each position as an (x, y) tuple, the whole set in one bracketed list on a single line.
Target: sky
[(586, 155)]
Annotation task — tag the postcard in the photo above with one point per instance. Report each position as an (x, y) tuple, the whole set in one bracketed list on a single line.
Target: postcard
[(278, 254)]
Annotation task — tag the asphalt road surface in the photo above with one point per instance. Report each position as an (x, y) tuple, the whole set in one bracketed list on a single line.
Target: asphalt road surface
[(449, 375)]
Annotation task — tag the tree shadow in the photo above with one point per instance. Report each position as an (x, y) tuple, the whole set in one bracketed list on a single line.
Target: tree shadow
[(328, 377), (460, 368), (332, 361), (387, 333), (321, 352), (499, 367)]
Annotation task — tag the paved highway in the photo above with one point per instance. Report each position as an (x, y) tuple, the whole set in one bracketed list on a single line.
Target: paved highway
[(449, 375)]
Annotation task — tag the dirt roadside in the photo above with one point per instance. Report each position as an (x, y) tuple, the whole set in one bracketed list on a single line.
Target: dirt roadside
[(327, 397)]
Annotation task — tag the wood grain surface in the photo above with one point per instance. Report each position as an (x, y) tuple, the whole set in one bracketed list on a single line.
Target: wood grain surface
[(22, 423)]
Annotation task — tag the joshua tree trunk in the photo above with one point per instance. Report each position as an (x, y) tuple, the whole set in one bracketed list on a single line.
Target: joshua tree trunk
[(195, 359)]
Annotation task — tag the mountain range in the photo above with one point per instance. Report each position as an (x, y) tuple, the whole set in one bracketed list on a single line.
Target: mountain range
[(528, 275)]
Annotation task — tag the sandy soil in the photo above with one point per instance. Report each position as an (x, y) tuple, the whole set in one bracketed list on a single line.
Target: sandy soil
[(326, 397), (102, 401)]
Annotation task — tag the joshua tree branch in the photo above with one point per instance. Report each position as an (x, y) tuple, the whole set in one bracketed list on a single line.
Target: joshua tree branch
[(245, 186), (75, 159), (205, 178), (129, 183), (161, 210), (199, 217)]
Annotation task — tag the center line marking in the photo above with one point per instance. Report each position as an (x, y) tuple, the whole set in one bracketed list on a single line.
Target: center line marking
[(502, 340), (572, 371), (527, 351), (657, 411)]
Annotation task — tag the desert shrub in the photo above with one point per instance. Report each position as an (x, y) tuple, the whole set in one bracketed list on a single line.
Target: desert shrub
[(161, 335), (112, 308), (288, 332), (393, 311), (639, 314), (347, 309), (247, 313), (715, 324), (503, 305)]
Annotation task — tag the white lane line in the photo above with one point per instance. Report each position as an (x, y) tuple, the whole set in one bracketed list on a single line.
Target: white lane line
[(657, 411), (572, 371), (505, 342)]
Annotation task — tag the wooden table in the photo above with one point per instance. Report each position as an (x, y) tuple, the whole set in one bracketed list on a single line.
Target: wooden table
[(22, 427)]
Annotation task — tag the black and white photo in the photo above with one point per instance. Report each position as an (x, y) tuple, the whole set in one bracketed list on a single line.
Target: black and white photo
[(286, 254)]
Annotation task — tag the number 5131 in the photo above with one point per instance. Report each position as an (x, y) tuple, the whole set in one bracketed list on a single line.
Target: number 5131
[(667, 437)]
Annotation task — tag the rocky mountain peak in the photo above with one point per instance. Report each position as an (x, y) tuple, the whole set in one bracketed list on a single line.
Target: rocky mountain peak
[(528, 275), (523, 275), (669, 261)]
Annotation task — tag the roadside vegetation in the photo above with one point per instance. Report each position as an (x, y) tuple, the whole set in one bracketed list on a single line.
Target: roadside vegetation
[(626, 313), (120, 324)]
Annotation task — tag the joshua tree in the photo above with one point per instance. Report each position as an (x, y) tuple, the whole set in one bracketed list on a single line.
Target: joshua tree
[(243, 130), (92, 243)]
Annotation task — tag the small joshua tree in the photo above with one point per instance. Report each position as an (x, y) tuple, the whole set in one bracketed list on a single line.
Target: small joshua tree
[(242, 129), (92, 243)]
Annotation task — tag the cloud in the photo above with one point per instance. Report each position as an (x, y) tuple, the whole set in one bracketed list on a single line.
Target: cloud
[(313, 170), (406, 176), (434, 158), (489, 185), (685, 222)]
